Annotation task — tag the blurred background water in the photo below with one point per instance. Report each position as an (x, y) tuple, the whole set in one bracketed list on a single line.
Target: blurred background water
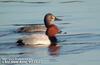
[(81, 44)]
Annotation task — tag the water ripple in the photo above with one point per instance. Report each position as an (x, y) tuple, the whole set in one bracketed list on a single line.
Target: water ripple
[(24, 2), (40, 2), (72, 2), (81, 48)]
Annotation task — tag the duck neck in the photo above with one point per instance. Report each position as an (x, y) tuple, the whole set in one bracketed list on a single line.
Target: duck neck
[(50, 32), (47, 23)]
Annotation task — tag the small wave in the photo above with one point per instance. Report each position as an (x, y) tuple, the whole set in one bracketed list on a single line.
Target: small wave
[(24, 2), (2, 35), (64, 23), (81, 48), (82, 37), (39, 2), (72, 2), (85, 35), (79, 35), (11, 53), (80, 43)]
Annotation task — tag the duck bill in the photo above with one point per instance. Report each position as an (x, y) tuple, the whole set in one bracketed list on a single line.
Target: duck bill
[(57, 19)]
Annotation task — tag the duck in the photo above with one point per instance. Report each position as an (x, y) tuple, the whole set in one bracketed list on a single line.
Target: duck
[(45, 39), (37, 27)]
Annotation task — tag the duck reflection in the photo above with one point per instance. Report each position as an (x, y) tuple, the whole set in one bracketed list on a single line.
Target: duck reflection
[(54, 50)]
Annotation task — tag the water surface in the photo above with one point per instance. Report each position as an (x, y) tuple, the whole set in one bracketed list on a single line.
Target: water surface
[(80, 46)]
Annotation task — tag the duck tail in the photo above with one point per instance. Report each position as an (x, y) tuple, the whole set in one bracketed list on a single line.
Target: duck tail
[(20, 42)]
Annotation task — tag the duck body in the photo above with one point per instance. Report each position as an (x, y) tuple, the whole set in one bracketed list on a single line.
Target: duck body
[(46, 39), (40, 39), (35, 40)]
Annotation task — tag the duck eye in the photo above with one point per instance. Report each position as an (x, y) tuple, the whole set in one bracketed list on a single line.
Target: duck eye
[(52, 17)]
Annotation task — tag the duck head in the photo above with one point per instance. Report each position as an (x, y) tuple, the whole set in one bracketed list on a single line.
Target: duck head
[(49, 18)]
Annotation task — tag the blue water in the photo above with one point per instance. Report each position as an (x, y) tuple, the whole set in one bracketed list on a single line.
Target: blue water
[(80, 19)]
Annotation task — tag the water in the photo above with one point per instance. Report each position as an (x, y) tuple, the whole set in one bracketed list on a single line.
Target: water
[(79, 47)]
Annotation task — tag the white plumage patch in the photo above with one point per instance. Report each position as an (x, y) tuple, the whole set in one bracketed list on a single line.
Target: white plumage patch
[(36, 39)]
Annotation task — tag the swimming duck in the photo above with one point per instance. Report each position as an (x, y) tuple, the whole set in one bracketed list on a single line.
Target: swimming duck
[(46, 39), (38, 27)]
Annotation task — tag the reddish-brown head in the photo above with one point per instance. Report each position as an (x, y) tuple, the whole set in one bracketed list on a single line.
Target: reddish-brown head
[(49, 18)]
